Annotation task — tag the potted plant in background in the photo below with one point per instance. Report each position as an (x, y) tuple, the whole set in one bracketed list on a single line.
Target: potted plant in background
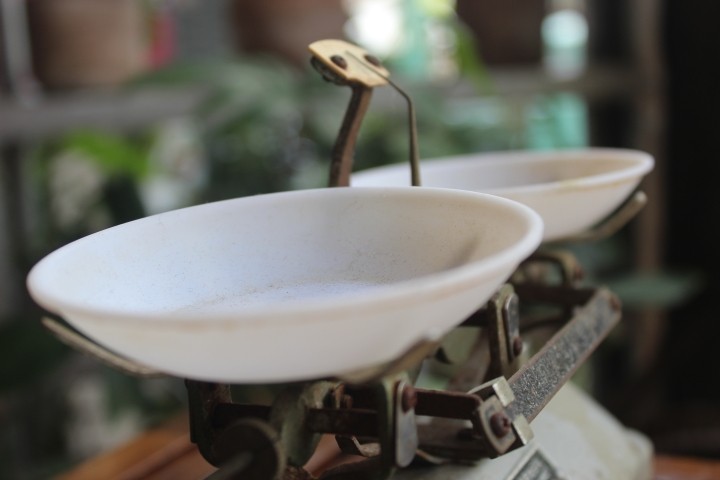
[(96, 43)]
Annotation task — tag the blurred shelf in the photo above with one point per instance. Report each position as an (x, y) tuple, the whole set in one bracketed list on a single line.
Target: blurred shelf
[(122, 110)]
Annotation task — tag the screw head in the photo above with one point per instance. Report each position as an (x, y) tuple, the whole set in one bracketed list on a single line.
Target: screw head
[(408, 398), (517, 346), (499, 424), (339, 61), (373, 60)]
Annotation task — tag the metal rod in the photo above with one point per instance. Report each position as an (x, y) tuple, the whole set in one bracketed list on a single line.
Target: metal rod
[(415, 180), (341, 162)]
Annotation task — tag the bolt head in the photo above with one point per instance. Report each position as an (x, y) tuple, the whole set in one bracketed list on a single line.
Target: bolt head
[(517, 346), (339, 61), (373, 60), (408, 398), (500, 424)]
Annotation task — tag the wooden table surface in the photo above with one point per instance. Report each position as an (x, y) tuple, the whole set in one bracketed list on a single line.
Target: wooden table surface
[(166, 453)]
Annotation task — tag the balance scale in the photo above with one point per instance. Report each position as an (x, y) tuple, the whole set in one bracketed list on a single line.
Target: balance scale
[(351, 297)]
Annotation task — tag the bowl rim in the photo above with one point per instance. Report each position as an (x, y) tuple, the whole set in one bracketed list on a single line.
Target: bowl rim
[(638, 163), (437, 284)]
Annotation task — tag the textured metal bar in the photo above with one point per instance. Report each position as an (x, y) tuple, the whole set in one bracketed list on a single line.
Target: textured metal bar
[(537, 382)]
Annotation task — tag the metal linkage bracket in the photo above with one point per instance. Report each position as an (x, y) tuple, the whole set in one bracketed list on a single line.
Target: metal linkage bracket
[(470, 426), (343, 63), (273, 442), (500, 410), (538, 267), (501, 317)]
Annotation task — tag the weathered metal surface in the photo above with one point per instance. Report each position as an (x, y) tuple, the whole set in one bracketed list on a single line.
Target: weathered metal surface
[(349, 63), (288, 417), (538, 380), (564, 262), (203, 397), (446, 404), (404, 436), (361, 423), (503, 328), (250, 449), (485, 427), (345, 64)]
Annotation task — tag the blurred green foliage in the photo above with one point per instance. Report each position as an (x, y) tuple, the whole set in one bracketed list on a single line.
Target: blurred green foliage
[(114, 154)]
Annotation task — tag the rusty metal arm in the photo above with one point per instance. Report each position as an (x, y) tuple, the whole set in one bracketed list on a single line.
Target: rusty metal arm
[(341, 161)]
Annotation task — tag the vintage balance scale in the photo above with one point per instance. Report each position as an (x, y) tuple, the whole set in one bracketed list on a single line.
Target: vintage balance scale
[(343, 294)]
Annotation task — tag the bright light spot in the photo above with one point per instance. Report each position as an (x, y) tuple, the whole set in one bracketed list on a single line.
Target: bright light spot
[(565, 29), (377, 25), (565, 34)]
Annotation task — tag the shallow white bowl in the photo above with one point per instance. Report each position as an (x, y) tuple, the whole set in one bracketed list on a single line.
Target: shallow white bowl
[(572, 190), (287, 286)]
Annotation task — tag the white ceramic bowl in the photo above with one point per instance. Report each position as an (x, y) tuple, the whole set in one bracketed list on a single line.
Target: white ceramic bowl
[(287, 286), (572, 190)]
